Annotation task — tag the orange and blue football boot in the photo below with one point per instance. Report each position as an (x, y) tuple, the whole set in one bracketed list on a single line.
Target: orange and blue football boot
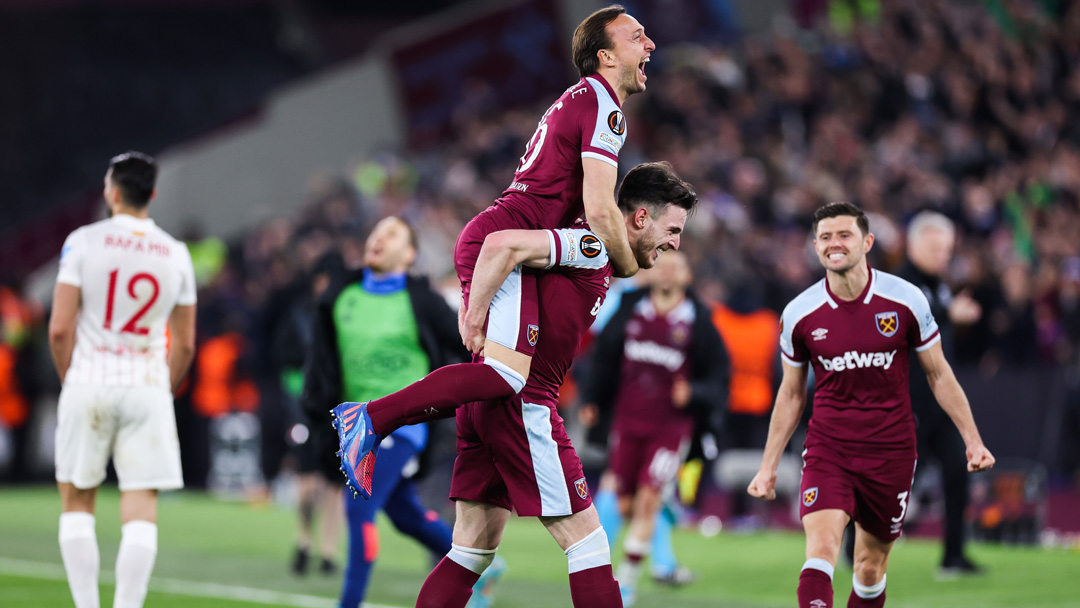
[(358, 445)]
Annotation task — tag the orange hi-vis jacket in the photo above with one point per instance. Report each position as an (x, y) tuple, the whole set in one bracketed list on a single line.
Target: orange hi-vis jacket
[(219, 388), (752, 341)]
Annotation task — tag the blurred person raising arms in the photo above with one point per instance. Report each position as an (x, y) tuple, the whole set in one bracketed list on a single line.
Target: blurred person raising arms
[(375, 330), (569, 170), (856, 328), (121, 281)]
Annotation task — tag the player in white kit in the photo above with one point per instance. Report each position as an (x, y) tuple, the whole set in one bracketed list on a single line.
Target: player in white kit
[(121, 281)]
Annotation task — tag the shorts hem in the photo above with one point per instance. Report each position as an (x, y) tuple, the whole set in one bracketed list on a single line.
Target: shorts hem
[(81, 486), (152, 485), (457, 497)]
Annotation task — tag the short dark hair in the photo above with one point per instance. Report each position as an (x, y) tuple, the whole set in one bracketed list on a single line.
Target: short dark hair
[(134, 173), (838, 209), (655, 185), (591, 36)]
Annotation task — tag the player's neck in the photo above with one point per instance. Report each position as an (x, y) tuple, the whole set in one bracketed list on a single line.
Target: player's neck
[(141, 214), (850, 284), (664, 303), (612, 78)]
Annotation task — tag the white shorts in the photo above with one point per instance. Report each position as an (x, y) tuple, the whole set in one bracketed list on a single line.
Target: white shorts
[(135, 425)]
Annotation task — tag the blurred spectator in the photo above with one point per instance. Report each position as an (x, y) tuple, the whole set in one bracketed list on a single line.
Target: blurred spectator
[(930, 241), (751, 334), (289, 321), (20, 321)]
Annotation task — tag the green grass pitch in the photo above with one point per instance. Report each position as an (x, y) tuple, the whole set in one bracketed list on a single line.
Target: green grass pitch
[(215, 554)]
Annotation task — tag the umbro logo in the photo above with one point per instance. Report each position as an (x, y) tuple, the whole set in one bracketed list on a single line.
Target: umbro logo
[(431, 411), (818, 604), (819, 333)]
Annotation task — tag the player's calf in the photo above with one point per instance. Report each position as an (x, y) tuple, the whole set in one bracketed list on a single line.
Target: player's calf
[(82, 560), (815, 584), (135, 563), (592, 583), (450, 584), (438, 394), (866, 596)]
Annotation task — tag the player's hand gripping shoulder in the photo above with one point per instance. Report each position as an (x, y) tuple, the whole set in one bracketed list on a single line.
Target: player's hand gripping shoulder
[(763, 485), (979, 458)]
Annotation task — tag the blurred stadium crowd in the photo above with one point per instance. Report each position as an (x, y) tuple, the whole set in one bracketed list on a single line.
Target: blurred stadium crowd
[(966, 108)]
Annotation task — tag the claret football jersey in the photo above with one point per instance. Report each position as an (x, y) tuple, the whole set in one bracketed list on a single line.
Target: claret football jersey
[(131, 274), (585, 122), (859, 353), (655, 353)]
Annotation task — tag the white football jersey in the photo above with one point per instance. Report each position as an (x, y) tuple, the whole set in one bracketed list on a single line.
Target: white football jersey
[(131, 274)]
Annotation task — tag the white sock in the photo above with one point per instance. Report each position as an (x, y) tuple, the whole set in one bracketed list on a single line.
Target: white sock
[(868, 592), (590, 552), (816, 563), (476, 560), (134, 563), (79, 550), (630, 572)]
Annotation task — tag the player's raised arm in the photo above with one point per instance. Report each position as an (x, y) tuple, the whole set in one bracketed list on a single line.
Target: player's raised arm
[(950, 395), (501, 252), (790, 402), (65, 313), (603, 214)]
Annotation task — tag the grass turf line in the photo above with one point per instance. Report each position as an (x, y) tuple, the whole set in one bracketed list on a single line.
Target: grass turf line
[(241, 546)]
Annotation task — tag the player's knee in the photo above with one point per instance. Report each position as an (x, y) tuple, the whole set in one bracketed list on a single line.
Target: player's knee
[(512, 377), (593, 551), (868, 572)]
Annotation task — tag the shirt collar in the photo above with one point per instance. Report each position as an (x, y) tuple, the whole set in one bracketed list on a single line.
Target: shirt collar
[(383, 285), (134, 222), (866, 295), (604, 83)]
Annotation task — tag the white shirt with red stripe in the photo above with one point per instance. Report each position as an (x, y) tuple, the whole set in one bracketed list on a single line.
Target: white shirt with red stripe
[(131, 275)]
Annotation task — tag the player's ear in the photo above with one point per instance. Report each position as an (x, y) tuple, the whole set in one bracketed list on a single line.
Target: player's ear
[(640, 217), (153, 193), (869, 241), (606, 57)]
